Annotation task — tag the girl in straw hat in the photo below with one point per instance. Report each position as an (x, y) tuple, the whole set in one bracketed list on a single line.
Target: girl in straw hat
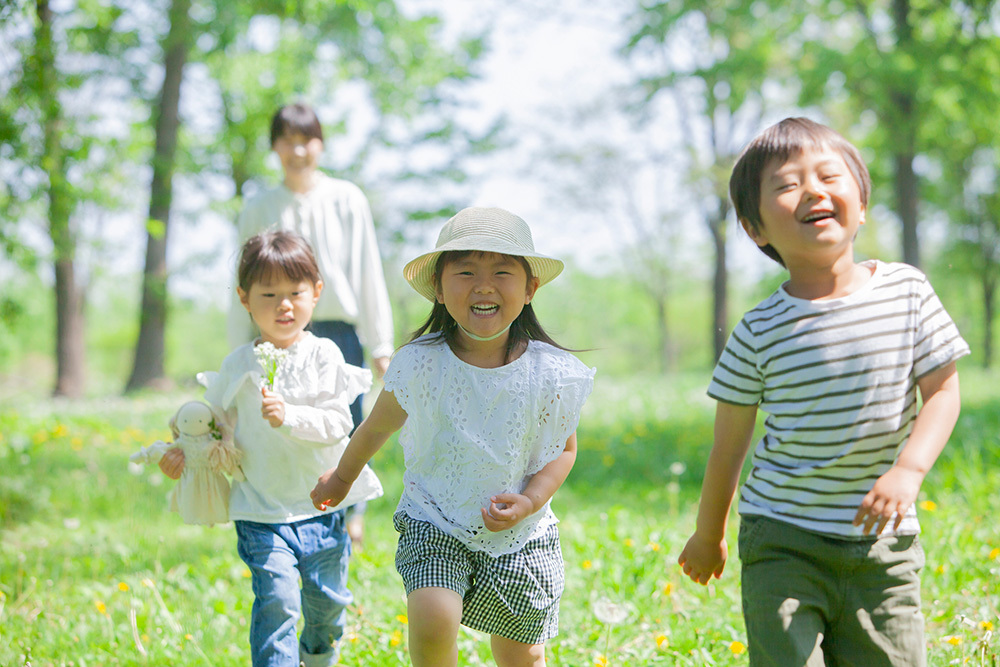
[(488, 405)]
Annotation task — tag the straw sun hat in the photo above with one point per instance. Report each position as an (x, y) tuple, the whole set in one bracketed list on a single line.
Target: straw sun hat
[(484, 230)]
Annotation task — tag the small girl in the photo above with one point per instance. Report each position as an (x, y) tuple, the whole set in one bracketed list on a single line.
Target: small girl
[(286, 431), (490, 405)]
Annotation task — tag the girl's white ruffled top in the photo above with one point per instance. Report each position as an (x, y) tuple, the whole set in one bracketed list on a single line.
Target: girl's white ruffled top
[(472, 433), (282, 464)]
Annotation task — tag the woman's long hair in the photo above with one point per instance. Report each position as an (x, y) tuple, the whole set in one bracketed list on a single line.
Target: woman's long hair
[(525, 326)]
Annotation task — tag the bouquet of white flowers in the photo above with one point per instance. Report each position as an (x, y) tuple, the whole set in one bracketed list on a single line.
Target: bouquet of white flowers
[(270, 358)]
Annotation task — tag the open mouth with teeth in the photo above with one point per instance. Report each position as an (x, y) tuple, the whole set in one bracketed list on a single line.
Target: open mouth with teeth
[(485, 308), (817, 217)]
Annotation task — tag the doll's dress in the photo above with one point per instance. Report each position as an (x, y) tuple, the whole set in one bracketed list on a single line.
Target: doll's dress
[(201, 495)]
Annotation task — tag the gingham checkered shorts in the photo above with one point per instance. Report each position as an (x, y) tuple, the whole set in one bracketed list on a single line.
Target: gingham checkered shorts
[(515, 596)]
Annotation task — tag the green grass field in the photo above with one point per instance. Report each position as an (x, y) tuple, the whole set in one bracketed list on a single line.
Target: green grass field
[(94, 572)]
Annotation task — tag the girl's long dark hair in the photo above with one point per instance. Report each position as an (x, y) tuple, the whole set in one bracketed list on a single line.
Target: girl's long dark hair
[(524, 328)]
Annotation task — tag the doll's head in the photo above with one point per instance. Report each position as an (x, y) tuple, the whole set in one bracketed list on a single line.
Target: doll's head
[(194, 418)]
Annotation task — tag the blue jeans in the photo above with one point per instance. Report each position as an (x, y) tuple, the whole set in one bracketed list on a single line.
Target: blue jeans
[(278, 554)]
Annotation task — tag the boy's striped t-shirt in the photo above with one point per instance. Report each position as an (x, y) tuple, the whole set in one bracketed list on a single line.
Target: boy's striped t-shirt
[(838, 381)]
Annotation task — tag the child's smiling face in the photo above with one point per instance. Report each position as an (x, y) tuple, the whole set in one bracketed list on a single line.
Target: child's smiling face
[(810, 208), (485, 292)]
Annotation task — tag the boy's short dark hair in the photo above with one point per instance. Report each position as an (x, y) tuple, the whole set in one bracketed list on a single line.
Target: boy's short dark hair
[(780, 141), (295, 119)]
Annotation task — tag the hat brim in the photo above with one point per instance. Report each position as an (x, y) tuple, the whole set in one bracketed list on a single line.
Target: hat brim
[(419, 272)]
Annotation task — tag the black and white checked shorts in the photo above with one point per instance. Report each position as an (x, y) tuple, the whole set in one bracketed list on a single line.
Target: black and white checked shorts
[(515, 596)]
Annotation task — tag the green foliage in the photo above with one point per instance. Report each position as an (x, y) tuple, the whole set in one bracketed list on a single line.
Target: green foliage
[(25, 319), (95, 571)]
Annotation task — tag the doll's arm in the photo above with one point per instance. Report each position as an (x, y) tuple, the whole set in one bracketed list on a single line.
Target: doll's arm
[(151, 453), (506, 510)]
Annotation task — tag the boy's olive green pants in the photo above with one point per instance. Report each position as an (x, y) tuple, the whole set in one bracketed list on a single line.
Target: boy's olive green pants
[(811, 600)]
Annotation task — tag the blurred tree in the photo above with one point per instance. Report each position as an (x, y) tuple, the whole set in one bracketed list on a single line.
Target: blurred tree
[(705, 69), (147, 371), (254, 57), (611, 173), (966, 182), (884, 74), (61, 70)]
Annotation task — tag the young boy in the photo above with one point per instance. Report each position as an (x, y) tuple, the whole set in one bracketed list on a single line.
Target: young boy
[(828, 535)]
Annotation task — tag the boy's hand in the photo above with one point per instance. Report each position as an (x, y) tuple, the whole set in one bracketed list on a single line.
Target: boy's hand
[(703, 559), (329, 491), (172, 462), (506, 510), (893, 494), (272, 407)]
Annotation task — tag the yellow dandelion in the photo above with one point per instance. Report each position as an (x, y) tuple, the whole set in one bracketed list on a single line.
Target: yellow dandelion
[(188, 637), (654, 546), (629, 542), (662, 641), (402, 618), (986, 625), (586, 565), (101, 607), (3, 597), (738, 648), (59, 431), (954, 640), (668, 588), (600, 661), (995, 553), (246, 573), (122, 586), (940, 569), (928, 506), (396, 639)]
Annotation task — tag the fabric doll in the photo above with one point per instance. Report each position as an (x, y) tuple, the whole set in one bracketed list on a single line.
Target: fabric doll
[(202, 493)]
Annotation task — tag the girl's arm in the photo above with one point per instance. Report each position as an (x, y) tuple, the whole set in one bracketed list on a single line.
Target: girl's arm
[(386, 418), (325, 417), (326, 421), (896, 490), (506, 510), (705, 554)]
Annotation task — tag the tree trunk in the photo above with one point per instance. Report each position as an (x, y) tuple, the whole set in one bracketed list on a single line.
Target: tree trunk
[(905, 123), (148, 369), (663, 335), (70, 321), (907, 192), (720, 279)]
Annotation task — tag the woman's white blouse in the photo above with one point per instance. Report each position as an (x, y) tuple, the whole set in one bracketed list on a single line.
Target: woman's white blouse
[(282, 464), (472, 433)]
